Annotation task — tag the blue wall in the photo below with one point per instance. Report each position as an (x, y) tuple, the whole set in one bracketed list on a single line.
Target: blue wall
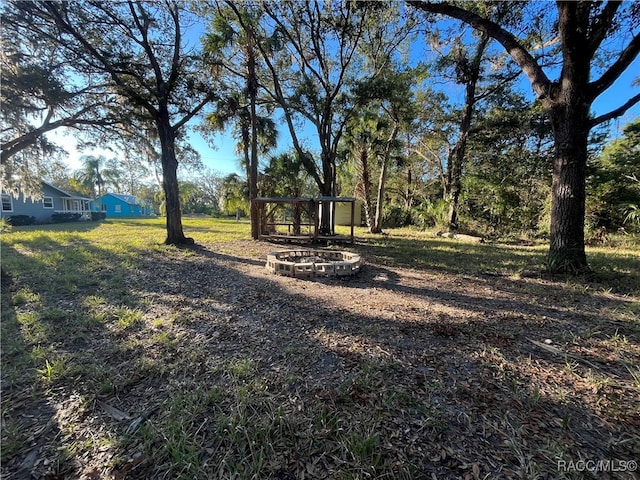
[(116, 206)]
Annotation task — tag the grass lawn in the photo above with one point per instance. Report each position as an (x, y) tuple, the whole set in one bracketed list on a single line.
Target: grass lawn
[(123, 358)]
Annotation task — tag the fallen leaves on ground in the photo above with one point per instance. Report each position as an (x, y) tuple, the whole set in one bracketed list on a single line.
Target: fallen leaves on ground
[(229, 372)]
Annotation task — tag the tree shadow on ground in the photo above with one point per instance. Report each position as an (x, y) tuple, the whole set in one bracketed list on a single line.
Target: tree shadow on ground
[(29, 424), (396, 374), (461, 354), (482, 260), (55, 367)]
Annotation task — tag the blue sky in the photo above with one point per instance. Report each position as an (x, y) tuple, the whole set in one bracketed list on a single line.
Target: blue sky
[(224, 160)]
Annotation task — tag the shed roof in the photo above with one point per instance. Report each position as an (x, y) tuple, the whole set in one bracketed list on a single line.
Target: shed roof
[(130, 199)]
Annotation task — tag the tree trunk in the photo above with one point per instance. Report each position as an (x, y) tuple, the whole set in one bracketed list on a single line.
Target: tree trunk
[(377, 221), (408, 196), (252, 88), (382, 181), (327, 188), (366, 188), (455, 179), (246, 151), (175, 234), (567, 102), (245, 132), (297, 218), (567, 250), (469, 73)]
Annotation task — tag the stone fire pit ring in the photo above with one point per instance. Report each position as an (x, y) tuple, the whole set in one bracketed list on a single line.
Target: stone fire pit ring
[(306, 263)]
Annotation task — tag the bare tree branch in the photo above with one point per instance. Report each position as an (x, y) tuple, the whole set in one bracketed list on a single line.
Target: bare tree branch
[(617, 112), (520, 55), (627, 56), (601, 25)]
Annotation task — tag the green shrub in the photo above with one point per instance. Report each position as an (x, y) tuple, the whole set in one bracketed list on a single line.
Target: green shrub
[(65, 217), (95, 216), (21, 220), (432, 214), (395, 217)]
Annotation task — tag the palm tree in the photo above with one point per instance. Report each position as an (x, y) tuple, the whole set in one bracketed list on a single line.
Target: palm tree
[(365, 144), (237, 38), (290, 180), (91, 173), (233, 109), (233, 195)]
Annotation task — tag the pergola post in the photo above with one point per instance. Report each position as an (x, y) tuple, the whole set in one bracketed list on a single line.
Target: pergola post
[(316, 220), (353, 217)]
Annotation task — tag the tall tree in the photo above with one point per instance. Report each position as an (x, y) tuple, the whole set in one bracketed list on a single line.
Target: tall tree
[(428, 144), (234, 108), (470, 63), (209, 185), (364, 144), (231, 109), (586, 32), (388, 92), (468, 73), (138, 143), (232, 45), (372, 140), (93, 173), (140, 50), (394, 102), (285, 176), (310, 50), (233, 195), (507, 181)]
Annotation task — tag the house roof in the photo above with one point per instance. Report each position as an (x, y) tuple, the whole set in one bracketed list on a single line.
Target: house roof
[(63, 193), (130, 199)]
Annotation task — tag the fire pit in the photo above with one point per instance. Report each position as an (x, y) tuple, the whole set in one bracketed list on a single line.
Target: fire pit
[(305, 263)]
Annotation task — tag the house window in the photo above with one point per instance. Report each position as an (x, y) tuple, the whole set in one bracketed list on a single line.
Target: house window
[(118, 208), (47, 202), (7, 203), (103, 208)]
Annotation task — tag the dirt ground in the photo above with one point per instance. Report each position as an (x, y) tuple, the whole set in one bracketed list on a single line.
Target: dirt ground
[(447, 376)]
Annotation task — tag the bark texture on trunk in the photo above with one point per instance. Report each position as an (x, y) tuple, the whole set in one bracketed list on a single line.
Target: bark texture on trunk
[(327, 188), (582, 28), (454, 175), (366, 188), (382, 181), (568, 105), (408, 195), (455, 160), (377, 221), (469, 74), (175, 234), (567, 249)]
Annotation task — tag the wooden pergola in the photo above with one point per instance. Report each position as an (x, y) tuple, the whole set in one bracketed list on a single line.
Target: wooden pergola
[(298, 218)]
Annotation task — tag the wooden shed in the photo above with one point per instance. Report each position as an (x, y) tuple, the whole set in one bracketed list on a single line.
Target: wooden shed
[(343, 213)]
